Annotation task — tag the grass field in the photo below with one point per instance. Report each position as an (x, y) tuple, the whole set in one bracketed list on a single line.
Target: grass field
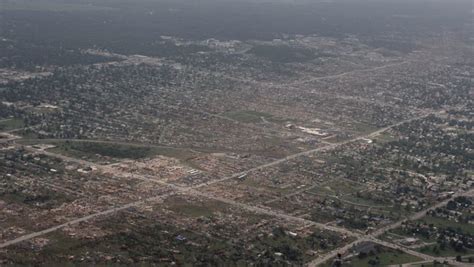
[(50, 5), (338, 187), (248, 116), (96, 151), (387, 258), (194, 209), (384, 137), (351, 199), (431, 265), (11, 124), (447, 252), (283, 53), (440, 222), (362, 128), (86, 149)]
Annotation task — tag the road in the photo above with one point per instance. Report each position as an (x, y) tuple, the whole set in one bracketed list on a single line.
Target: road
[(373, 236), (349, 73), (150, 60), (313, 151), (259, 210), (420, 214), (286, 86), (78, 220), (319, 78), (193, 192)]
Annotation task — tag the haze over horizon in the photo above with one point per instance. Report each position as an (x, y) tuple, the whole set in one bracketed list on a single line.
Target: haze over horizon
[(236, 133)]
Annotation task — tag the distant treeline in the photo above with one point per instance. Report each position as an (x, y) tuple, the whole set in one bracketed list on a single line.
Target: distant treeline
[(46, 31)]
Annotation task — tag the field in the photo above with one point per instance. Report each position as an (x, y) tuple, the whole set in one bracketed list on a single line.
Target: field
[(114, 151), (50, 5), (248, 116), (105, 150), (440, 222), (386, 258), (435, 250), (11, 124), (338, 188), (383, 257)]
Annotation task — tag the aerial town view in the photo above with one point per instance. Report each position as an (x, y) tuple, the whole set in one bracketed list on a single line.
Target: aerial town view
[(237, 133)]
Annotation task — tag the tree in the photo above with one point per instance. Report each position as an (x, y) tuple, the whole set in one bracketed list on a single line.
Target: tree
[(372, 262), (451, 205), (362, 255)]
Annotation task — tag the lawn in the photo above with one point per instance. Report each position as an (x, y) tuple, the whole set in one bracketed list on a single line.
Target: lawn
[(283, 53), (351, 199), (97, 151), (447, 252), (440, 222), (361, 127), (386, 258), (50, 5), (384, 137), (11, 124), (338, 187), (431, 265), (193, 209), (248, 116), (86, 149)]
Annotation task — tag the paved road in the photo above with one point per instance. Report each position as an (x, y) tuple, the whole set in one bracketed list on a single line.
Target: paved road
[(192, 191), (259, 210), (125, 143), (321, 78), (425, 257), (349, 73), (332, 254), (78, 220), (198, 193), (373, 236), (420, 214), (312, 151)]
